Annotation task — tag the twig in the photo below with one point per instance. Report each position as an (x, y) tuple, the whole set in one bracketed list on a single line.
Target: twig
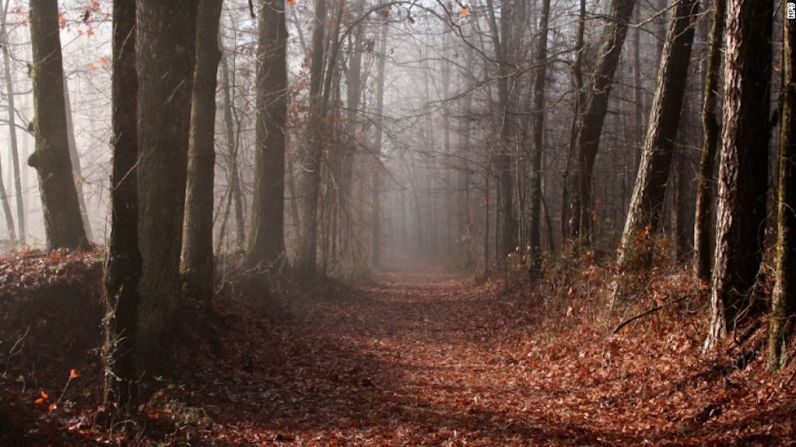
[(650, 311)]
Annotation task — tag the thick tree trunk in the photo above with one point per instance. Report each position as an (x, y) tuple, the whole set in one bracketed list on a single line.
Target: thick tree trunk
[(21, 236), (649, 192), (743, 170), (266, 243), (783, 300), (703, 219), (123, 266), (166, 37), (313, 154), (538, 133), (578, 181), (62, 220), (197, 236)]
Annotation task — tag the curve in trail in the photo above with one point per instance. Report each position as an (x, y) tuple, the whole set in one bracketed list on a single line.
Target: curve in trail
[(415, 359)]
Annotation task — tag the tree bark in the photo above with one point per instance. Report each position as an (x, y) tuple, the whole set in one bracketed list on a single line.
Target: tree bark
[(783, 300), (743, 171), (703, 218), (577, 183), (649, 192), (123, 265), (62, 220), (197, 243), (166, 37)]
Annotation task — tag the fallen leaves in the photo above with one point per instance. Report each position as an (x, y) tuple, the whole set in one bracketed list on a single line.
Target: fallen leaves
[(429, 360)]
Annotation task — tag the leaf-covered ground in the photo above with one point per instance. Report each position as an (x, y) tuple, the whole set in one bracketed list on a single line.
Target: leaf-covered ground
[(425, 359)]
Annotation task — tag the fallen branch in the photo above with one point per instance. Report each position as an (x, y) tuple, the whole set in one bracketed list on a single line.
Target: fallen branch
[(651, 311)]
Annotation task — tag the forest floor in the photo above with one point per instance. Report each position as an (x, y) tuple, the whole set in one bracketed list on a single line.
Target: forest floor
[(424, 358)]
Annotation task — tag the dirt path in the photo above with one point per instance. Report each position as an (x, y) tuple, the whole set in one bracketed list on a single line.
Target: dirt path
[(412, 360), (418, 359)]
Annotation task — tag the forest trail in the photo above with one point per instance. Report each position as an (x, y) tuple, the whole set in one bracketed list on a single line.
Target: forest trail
[(414, 359)]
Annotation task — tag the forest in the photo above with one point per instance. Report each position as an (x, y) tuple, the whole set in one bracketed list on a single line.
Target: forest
[(397, 222)]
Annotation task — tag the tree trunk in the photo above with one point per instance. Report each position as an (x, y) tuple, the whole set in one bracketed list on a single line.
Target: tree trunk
[(568, 215), (649, 192), (538, 133), (743, 171), (74, 157), (375, 258), (577, 183), (197, 243), (710, 140), (266, 243), (12, 236), (783, 300), (12, 134), (232, 153), (313, 154), (123, 266), (166, 33), (62, 220)]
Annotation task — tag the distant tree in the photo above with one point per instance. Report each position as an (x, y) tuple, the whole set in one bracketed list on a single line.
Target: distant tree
[(783, 300), (266, 243), (197, 243), (123, 265), (576, 211), (62, 220), (538, 135), (12, 128), (710, 142), (743, 170), (378, 130), (306, 257), (166, 40)]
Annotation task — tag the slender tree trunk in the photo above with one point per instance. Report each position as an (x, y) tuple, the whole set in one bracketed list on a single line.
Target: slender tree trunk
[(197, 243), (783, 300), (266, 243), (166, 38), (313, 154), (590, 123), (12, 235), (123, 266), (743, 171), (653, 173), (74, 157), (703, 219), (568, 218), (375, 259), (21, 236), (232, 152), (62, 220), (538, 133)]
